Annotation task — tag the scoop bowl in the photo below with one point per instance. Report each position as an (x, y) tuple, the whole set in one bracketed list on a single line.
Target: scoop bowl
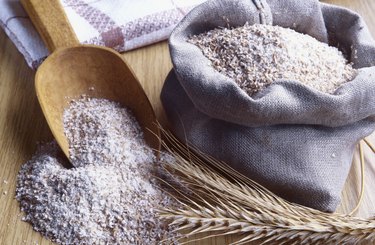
[(97, 72)]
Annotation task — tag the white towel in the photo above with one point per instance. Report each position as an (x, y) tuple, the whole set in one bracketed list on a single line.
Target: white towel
[(119, 24)]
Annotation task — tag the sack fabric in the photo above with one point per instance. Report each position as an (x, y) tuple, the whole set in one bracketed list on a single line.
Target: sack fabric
[(294, 140)]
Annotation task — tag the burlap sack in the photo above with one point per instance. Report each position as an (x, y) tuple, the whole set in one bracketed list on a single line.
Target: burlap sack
[(290, 138)]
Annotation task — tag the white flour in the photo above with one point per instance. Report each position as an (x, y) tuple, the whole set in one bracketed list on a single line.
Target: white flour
[(110, 197)]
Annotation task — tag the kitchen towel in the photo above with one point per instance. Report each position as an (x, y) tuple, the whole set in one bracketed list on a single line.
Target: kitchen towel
[(119, 24)]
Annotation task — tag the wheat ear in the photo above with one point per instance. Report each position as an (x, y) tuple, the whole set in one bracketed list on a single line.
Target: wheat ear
[(216, 198)]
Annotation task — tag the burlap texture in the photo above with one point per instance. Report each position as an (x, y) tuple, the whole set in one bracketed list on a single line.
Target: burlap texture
[(294, 140)]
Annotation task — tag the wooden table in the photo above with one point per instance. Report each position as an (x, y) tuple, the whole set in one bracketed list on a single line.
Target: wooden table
[(22, 125)]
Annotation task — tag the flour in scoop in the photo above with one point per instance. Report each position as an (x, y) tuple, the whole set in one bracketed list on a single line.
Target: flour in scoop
[(110, 197)]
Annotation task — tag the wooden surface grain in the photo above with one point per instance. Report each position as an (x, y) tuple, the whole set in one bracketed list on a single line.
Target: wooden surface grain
[(51, 22), (22, 125)]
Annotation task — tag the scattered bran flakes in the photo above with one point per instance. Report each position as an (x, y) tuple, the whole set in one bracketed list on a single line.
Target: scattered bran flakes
[(256, 55)]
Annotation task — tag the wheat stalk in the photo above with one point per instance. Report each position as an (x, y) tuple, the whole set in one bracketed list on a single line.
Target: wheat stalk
[(216, 198)]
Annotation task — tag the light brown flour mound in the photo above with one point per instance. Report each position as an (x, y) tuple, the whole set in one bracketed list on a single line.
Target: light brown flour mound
[(111, 197)]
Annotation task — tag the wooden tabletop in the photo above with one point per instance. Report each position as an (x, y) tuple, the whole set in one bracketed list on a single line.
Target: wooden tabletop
[(22, 125)]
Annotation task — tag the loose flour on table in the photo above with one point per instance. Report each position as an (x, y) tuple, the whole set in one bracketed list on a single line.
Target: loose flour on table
[(110, 197)]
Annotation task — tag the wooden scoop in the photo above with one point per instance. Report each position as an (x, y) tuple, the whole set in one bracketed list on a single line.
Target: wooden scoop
[(73, 70)]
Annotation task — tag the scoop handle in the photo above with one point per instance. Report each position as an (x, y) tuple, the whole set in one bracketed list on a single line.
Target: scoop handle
[(51, 22)]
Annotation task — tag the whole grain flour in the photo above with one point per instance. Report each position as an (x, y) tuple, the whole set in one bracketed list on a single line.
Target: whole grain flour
[(111, 196), (256, 55)]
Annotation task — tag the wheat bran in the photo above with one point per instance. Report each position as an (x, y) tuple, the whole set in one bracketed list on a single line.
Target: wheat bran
[(255, 56)]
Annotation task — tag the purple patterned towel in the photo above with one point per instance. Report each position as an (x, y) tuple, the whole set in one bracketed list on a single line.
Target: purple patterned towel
[(119, 24)]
